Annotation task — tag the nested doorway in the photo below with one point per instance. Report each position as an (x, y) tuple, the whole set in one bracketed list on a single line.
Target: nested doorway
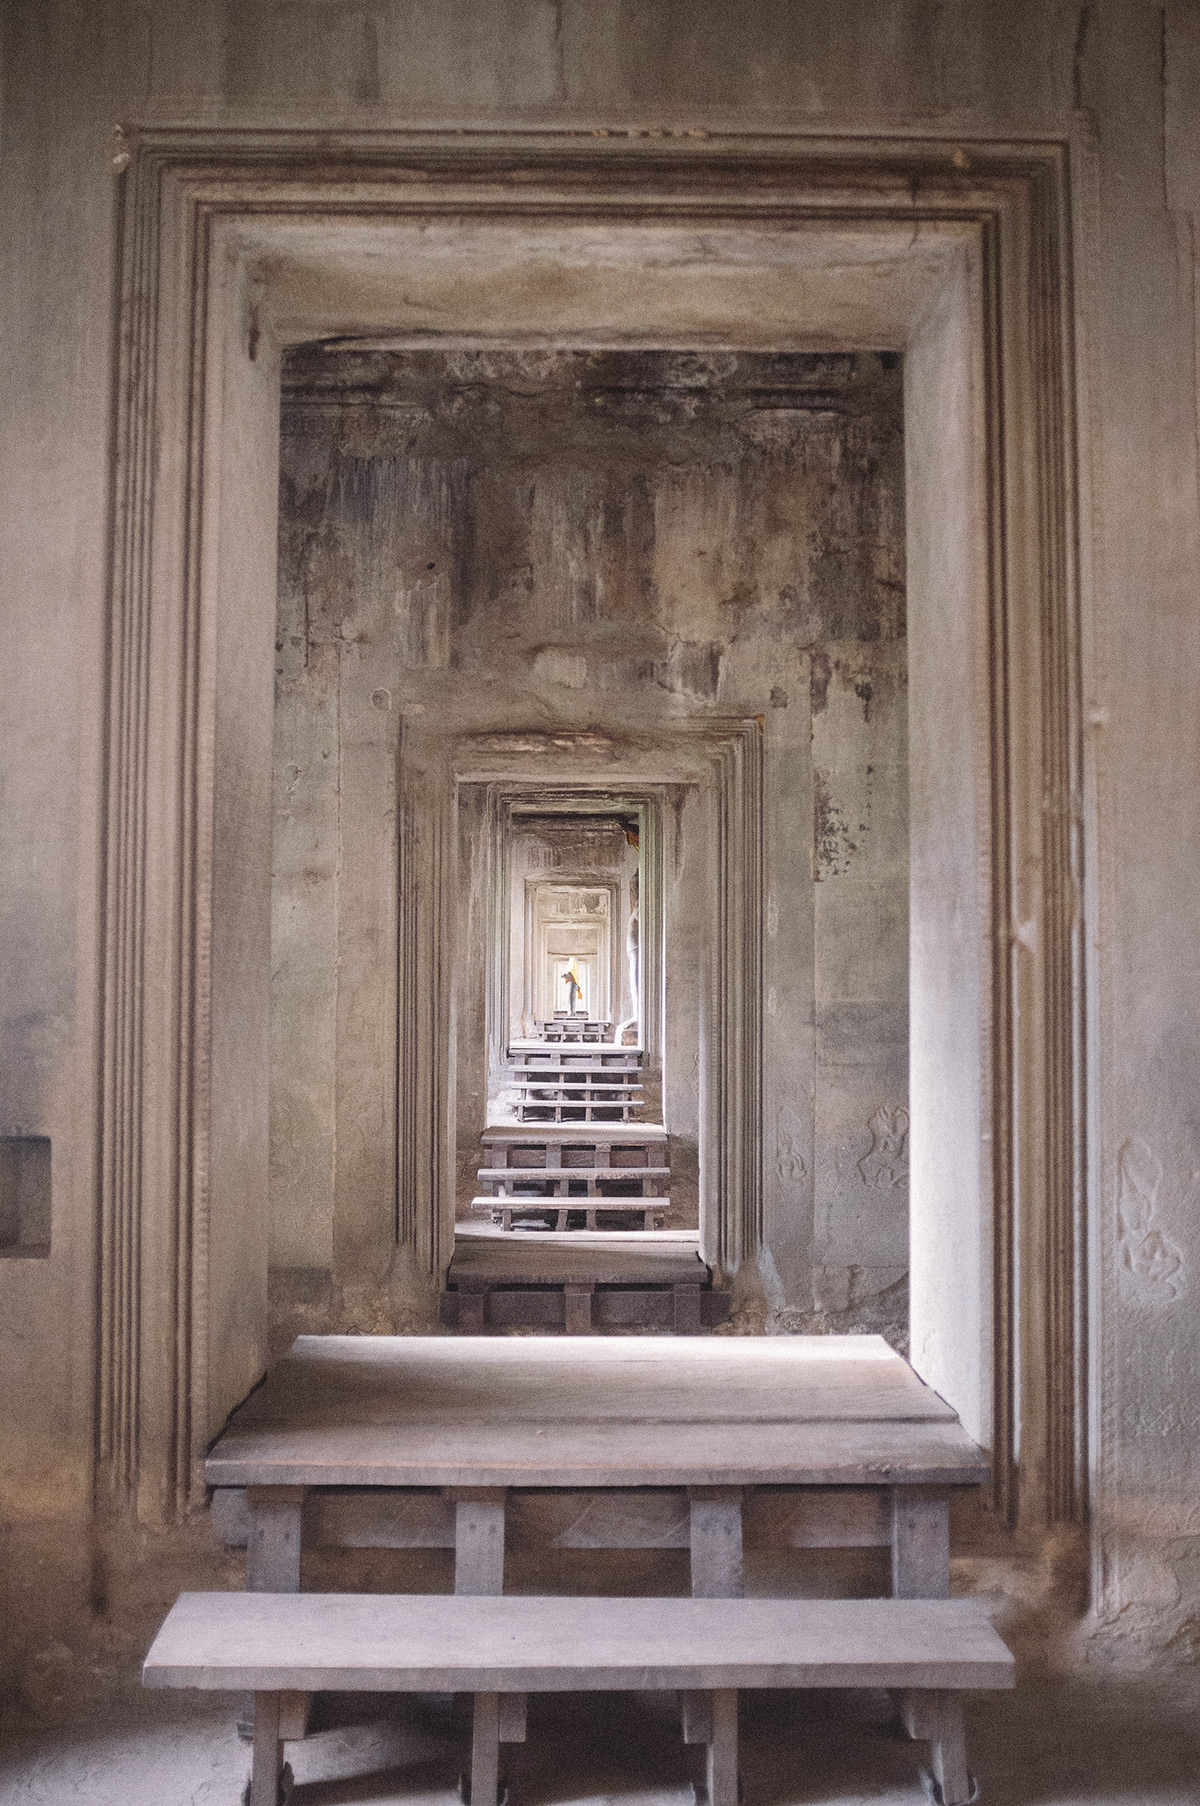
[(232, 254), (557, 566)]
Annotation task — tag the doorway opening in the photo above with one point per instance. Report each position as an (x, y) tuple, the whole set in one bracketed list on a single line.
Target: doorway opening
[(588, 571), (233, 250)]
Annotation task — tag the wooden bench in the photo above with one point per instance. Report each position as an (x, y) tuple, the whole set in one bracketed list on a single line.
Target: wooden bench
[(553, 1181), (280, 1645), (503, 1210)]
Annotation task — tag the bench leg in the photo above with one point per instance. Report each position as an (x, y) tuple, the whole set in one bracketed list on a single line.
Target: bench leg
[(723, 1750), (485, 1750), (272, 1555), (697, 1713), (941, 1715), (910, 1707), (273, 1546), (472, 1306), (513, 1713), (294, 1711), (577, 1310), (264, 1775), (920, 1544), (479, 1540), (716, 1541), (687, 1308)]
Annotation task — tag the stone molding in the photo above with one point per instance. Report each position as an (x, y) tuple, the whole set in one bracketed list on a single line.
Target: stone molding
[(175, 189)]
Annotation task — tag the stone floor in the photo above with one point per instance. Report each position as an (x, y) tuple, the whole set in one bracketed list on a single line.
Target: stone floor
[(1095, 1743)]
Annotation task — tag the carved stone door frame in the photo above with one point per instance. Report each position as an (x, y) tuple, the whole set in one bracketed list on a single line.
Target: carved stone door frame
[(222, 237)]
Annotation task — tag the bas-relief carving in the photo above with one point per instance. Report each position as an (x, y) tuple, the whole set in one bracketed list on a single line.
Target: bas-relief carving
[(886, 1163), (1151, 1264), (790, 1164)]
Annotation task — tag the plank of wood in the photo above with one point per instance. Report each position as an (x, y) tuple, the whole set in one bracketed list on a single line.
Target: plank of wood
[(624, 1519), (596, 1454), (603, 1518), (566, 1175), (467, 1230), (445, 1643), (403, 1380), (838, 1517), (366, 1519), (643, 1134), (535, 1259), (597, 1212)]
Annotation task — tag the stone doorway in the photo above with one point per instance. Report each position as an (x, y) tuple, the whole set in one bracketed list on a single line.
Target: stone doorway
[(614, 550), (233, 250)]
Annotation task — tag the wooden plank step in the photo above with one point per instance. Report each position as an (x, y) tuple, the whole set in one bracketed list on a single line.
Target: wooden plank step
[(559, 1064), (568, 1113), (432, 1643), (505, 1210), (649, 1134), (563, 1085), (289, 1644), (555, 1179), (553, 1258), (566, 1029), (328, 1384)]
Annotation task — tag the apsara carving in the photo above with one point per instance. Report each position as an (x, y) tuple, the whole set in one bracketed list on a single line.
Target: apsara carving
[(1150, 1258), (887, 1162)]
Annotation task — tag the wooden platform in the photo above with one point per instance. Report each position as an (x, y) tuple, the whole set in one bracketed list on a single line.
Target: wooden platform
[(499, 1649), (431, 1643), (642, 1134), (538, 1212), (593, 1412), (600, 1257)]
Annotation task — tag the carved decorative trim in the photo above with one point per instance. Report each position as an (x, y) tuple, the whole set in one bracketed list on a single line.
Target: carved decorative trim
[(177, 187)]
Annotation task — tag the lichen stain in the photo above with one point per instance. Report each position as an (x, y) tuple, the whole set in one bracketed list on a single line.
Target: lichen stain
[(821, 669), (832, 846)]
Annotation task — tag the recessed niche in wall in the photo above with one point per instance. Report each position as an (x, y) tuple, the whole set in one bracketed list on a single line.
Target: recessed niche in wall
[(24, 1195)]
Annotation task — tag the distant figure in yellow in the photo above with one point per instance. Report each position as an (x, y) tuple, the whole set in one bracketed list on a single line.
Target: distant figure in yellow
[(574, 986)]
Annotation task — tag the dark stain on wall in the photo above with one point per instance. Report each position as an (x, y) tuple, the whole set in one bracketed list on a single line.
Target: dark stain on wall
[(544, 493)]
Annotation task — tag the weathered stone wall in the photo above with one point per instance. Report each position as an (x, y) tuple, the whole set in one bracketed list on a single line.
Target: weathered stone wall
[(1118, 84), (600, 541)]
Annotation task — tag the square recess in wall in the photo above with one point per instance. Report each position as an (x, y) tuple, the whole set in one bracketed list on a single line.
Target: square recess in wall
[(24, 1195)]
